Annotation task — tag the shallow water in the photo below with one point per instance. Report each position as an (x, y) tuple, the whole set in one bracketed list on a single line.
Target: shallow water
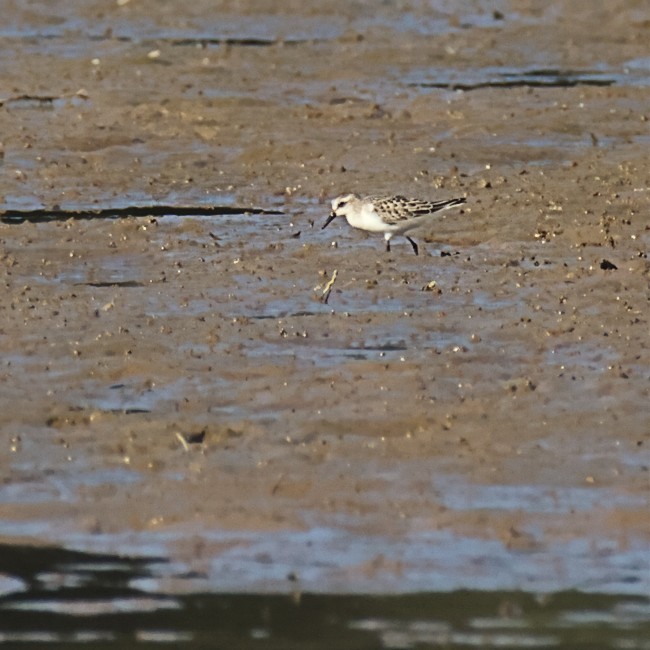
[(55, 596)]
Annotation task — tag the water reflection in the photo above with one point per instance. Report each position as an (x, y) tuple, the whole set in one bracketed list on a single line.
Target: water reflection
[(54, 596)]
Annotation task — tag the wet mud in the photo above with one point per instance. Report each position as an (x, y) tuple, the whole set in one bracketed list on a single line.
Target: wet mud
[(173, 381)]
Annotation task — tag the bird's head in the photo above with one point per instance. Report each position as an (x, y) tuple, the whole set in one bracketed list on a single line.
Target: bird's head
[(339, 205)]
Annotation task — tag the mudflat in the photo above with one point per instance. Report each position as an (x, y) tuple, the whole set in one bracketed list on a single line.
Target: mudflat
[(190, 366)]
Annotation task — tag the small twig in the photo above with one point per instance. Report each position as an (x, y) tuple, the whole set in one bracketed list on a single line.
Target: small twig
[(327, 289), (181, 439)]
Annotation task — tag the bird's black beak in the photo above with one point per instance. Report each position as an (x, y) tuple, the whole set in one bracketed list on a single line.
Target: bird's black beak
[(329, 220)]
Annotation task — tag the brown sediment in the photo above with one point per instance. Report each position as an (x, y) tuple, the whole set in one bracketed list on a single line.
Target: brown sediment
[(187, 354)]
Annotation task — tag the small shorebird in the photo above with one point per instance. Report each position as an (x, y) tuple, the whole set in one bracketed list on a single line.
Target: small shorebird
[(392, 215)]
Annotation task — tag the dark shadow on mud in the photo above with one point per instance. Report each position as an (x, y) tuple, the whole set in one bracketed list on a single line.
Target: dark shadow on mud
[(56, 214), (544, 78), (124, 284), (201, 41)]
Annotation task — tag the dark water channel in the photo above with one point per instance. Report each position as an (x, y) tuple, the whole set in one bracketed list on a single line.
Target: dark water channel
[(51, 597)]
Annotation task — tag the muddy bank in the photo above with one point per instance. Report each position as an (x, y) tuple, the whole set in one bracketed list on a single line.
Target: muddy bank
[(175, 382)]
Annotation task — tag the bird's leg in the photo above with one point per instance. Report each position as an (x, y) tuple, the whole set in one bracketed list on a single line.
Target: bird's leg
[(388, 245), (415, 246)]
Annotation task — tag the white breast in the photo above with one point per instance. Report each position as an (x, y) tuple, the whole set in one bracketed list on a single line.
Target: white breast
[(366, 219)]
